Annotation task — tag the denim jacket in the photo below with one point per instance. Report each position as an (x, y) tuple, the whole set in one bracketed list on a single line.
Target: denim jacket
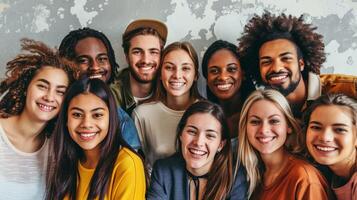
[(128, 130)]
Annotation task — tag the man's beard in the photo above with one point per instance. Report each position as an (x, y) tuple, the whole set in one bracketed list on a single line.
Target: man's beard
[(291, 87), (138, 79)]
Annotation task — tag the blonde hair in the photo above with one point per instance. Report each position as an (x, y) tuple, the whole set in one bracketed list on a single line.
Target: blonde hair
[(247, 155)]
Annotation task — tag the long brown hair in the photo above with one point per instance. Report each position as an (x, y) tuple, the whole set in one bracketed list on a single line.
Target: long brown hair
[(160, 92), (220, 176)]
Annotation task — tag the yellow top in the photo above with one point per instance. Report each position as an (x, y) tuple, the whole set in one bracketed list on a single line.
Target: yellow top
[(127, 181)]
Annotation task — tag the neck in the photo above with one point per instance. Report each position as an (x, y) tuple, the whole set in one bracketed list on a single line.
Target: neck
[(232, 105), (275, 161), (91, 158), (178, 103), (138, 89), (298, 97), (346, 168)]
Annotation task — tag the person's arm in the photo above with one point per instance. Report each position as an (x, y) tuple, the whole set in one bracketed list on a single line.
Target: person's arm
[(129, 178), (240, 186), (157, 188)]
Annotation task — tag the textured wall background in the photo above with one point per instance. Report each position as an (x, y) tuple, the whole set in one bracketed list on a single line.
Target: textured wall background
[(198, 21)]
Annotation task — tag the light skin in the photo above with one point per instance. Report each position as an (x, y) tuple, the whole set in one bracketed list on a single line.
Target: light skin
[(201, 139), (224, 79), (88, 124), (177, 76), (44, 97), (281, 69), (143, 59), (331, 139), (92, 58), (267, 130)]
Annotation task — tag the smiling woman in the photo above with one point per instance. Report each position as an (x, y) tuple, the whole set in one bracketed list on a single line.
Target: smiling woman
[(202, 166), (35, 85), (89, 158)]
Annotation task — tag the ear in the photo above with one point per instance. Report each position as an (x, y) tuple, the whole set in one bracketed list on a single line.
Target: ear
[(290, 130), (126, 58), (221, 145), (301, 64)]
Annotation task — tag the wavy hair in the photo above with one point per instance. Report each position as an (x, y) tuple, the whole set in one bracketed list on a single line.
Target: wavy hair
[(20, 72), (247, 155), (260, 29), (220, 176), (65, 153)]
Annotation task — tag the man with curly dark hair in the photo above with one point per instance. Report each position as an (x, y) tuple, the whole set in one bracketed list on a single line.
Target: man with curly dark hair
[(285, 53)]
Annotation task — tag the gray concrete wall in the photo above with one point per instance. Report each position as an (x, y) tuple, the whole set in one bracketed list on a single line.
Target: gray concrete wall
[(199, 21)]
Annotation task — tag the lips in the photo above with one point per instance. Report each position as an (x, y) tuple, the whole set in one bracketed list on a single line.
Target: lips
[(224, 87), (87, 136), (265, 140), (325, 148), (145, 67), (45, 108), (277, 78), (98, 74), (176, 85), (197, 153)]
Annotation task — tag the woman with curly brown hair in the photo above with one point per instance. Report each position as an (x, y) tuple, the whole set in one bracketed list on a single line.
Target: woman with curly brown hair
[(286, 54), (33, 90)]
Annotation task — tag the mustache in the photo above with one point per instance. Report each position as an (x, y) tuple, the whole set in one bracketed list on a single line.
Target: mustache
[(142, 64), (274, 74)]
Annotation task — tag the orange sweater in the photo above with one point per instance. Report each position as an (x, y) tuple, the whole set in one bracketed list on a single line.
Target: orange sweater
[(299, 180)]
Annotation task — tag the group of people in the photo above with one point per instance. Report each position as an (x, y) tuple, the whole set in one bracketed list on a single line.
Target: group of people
[(72, 126)]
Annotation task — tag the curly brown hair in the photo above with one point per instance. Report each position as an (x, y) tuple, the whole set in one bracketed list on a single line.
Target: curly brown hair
[(22, 69), (267, 27)]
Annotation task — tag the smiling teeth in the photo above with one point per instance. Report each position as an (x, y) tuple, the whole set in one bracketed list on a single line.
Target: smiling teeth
[(87, 135), (265, 139), (45, 107), (197, 152), (278, 78), (224, 86), (146, 68), (96, 76), (177, 84), (325, 148)]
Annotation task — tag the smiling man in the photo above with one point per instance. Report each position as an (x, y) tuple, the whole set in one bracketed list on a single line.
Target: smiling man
[(143, 41), (285, 53)]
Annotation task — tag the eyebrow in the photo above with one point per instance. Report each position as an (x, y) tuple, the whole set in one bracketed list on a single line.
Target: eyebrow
[(335, 124), (48, 83), (93, 110), (280, 55), (274, 115), (207, 130)]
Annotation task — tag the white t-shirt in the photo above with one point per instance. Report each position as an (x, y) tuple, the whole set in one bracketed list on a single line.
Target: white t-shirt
[(156, 125), (22, 175)]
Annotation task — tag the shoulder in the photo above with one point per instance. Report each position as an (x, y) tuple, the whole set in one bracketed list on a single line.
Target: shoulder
[(147, 107), (303, 171), (173, 164), (127, 159)]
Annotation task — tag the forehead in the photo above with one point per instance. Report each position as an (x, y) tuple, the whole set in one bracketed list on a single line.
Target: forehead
[(277, 47), (90, 45), (223, 56), (87, 101), (53, 75), (178, 55), (204, 121), (332, 114), (145, 42), (264, 108)]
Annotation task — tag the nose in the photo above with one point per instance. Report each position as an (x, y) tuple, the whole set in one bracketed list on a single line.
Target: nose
[(223, 75), (178, 73), (94, 66), (327, 135), (86, 122), (145, 58), (49, 96), (276, 65), (200, 139), (264, 127)]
